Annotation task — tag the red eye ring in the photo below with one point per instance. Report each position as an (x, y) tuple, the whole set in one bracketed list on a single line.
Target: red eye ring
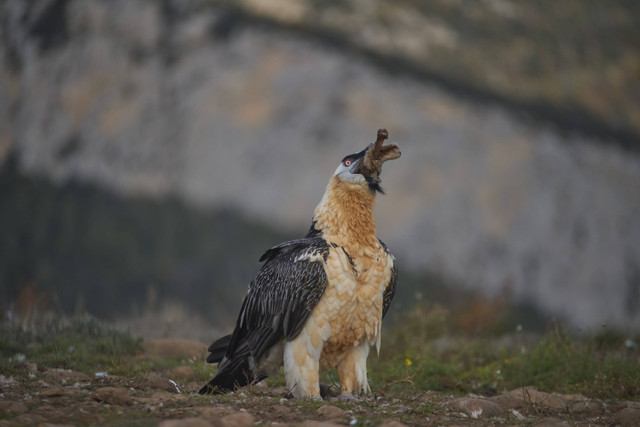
[(347, 162)]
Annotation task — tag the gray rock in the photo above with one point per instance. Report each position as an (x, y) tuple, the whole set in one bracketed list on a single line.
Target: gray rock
[(508, 401), (628, 417), (476, 408), (65, 376), (29, 419), (550, 422), (330, 412), (211, 413), (239, 419), (585, 406), (185, 422), (315, 423), (113, 396), (281, 409), (52, 392), (13, 407), (531, 395), (391, 423), (159, 382)]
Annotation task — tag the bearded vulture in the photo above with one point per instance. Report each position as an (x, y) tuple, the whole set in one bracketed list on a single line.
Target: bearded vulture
[(318, 302)]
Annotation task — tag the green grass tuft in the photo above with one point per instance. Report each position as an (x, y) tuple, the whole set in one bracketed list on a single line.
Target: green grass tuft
[(422, 354), (80, 344)]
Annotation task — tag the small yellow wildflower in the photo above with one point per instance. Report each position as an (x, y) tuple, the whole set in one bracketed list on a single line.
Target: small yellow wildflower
[(408, 361)]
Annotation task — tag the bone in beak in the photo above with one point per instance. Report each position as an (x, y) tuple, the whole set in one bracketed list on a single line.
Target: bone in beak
[(377, 154)]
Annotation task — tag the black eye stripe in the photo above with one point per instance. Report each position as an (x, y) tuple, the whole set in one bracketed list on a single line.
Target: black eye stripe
[(354, 157)]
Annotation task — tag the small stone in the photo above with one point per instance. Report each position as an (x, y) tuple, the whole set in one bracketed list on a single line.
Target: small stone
[(44, 410), (55, 425), (314, 423), (531, 395), (64, 376), (330, 412), (160, 383), (29, 419), (52, 392), (182, 372), (113, 396), (476, 408), (573, 397), (627, 417), (507, 401), (185, 422), (281, 409), (13, 407), (239, 419), (212, 413), (631, 404), (586, 406), (392, 423), (550, 422)]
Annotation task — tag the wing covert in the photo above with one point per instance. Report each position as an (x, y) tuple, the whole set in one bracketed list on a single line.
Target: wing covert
[(390, 290), (283, 294)]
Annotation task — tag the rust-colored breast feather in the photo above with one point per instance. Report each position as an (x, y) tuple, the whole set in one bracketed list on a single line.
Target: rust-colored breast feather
[(351, 307), (358, 270)]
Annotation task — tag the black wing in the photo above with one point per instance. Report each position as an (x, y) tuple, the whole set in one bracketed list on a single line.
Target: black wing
[(390, 290), (280, 299)]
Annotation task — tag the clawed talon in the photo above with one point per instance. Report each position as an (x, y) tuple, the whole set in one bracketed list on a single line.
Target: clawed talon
[(349, 397), (327, 390)]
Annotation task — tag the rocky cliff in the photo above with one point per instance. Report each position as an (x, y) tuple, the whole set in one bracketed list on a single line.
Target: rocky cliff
[(187, 99)]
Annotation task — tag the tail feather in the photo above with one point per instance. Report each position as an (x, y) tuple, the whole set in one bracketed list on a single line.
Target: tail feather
[(233, 372), (218, 349)]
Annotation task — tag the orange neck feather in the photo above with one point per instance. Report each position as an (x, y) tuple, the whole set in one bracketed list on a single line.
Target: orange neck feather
[(345, 214)]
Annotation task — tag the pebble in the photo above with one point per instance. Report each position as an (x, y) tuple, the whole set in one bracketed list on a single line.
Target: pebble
[(239, 419), (476, 408), (628, 417), (531, 395), (330, 412), (52, 392), (113, 396), (185, 422)]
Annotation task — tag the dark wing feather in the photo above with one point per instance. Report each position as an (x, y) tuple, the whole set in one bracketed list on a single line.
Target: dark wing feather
[(283, 294), (218, 349), (280, 299), (390, 290)]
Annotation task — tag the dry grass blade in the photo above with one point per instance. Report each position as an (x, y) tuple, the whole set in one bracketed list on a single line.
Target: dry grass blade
[(406, 380)]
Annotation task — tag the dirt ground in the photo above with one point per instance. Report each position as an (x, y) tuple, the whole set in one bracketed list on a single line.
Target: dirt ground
[(41, 396)]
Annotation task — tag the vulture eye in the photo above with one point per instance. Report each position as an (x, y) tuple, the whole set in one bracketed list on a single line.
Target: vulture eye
[(347, 162)]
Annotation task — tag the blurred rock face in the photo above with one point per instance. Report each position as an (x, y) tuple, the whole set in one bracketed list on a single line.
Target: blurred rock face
[(150, 98)]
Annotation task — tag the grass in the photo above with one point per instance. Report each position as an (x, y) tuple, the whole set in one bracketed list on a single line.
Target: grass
[(604, 365), (82, 344), (417, 356), (601, 366)]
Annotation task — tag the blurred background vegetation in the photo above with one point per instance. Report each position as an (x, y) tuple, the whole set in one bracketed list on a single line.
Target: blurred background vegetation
[(137, 252)]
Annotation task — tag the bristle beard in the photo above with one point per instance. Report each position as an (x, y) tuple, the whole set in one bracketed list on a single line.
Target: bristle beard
[(374, 185)]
